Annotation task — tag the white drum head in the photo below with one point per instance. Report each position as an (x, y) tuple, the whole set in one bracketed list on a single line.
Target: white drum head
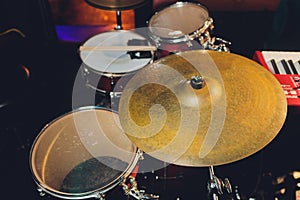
[(81, 153), (113, 62), (178, 20)]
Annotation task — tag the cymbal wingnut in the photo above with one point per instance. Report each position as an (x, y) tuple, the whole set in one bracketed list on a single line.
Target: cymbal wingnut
[(197, 82)]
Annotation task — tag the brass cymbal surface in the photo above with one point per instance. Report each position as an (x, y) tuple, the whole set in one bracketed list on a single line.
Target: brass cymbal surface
[(116, 4), (238, 110)]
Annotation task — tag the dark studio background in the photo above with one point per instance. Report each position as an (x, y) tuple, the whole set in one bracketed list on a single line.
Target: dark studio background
[(29, 103)]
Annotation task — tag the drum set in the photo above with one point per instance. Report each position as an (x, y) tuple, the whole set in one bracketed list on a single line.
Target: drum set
[(111, 58), (181, 98)]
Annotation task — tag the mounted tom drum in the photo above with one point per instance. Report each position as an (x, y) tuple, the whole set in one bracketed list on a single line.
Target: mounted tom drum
[(109, 61), (179, 27)]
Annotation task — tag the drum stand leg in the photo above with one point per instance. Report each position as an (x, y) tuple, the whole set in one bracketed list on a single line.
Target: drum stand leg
[(216, 185), (130, 188), (112, 93)]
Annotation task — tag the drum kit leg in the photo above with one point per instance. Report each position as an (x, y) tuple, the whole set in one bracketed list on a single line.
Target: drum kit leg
[(200, 90), (216, 186), (130, 188)]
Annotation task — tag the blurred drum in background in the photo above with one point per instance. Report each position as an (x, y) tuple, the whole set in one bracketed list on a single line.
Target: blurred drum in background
[(179, 27), (183, 26)]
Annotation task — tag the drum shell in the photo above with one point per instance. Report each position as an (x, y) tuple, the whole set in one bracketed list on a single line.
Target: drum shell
[(104, 83), (165, 49)]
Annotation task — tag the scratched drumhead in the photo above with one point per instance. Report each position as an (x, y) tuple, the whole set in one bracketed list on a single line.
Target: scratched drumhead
[(116, 62), (91, 175), (82, 152)]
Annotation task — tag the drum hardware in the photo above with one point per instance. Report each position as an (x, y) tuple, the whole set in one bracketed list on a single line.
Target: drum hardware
[(114, 98), (116, 6), (207, 27), (236, 194), (216, 186), (203, 34), (115, 95), (222, 46), (197, 82), (119, 20), (204, 37), (41, 191), (130, 188)]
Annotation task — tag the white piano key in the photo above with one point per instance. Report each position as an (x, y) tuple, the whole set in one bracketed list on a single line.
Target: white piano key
[(297, 66), (286, 66), (280, 68), (292, 66), (269, 64), (279, 55)]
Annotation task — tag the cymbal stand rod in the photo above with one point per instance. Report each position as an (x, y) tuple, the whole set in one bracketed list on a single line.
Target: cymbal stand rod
[(112, 93), (211, 172), (119, 20), (216, 185), (213, 183)]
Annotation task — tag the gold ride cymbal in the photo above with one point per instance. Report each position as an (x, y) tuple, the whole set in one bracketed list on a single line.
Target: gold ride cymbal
[(116, 4), (238, 110)]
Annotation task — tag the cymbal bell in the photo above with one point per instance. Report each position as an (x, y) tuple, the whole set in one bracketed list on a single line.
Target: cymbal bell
[(238, 109), (116, 4)]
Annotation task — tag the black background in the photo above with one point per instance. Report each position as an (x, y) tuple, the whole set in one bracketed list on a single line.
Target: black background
[(47, 94)]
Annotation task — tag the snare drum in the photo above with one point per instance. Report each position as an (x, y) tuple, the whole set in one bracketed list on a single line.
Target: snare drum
[(103, 69), (179, 27), (82, 154)]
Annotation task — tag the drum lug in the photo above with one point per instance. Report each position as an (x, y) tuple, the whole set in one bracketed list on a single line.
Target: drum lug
[(100, 196), (115, 95), (85, 72), (129, 186), (41, 191), (140, 154)]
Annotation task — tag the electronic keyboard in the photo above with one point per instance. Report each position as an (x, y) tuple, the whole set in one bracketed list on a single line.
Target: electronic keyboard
[(285, 66)]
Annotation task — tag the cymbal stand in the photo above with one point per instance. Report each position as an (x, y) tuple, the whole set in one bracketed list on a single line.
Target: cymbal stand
[(216, 185), (119, 20)]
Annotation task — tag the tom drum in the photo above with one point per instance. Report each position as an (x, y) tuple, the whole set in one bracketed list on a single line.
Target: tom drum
[(82, 154)]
